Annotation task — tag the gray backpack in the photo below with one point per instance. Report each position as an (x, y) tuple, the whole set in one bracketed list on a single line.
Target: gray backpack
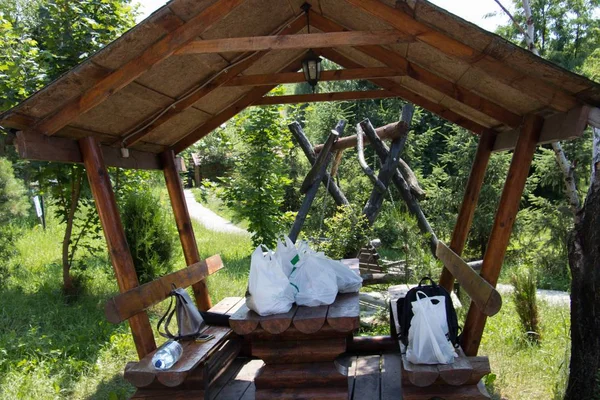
[(189, 320)]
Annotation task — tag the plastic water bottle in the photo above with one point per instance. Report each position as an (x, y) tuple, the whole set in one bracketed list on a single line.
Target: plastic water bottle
[(167, 355)]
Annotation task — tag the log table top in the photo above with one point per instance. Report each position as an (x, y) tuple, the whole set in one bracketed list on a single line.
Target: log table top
[(342, 316)]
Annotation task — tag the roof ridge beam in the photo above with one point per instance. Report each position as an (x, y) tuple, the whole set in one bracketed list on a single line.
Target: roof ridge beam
[(321, 97), (121, 77), (454, 48), (214, 82), (298, 41), (427, 77), (326, 76)]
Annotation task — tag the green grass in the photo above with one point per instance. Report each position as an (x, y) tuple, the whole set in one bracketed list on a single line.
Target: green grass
[(210, 199), (57, 348)]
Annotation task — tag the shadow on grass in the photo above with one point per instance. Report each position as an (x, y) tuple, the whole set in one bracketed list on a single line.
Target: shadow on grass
[(59, 337), (117, 388)]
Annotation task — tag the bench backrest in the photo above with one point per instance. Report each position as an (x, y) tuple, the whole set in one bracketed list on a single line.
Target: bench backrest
[(484, 295), (137, 300)]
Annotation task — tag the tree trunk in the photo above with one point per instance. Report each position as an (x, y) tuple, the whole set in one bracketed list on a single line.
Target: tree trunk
[(584, 260), (76, 180)]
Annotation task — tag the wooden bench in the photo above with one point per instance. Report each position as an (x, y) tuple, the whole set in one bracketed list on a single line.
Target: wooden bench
[(463, 378), (201, 363)]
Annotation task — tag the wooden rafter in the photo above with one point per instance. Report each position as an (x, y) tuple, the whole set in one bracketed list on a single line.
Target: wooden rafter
[(408, 95), (216, 82), (405, 23), (426, 77), (331, 75), (247, 100), (299, 41), (121, 77), (320, 97)]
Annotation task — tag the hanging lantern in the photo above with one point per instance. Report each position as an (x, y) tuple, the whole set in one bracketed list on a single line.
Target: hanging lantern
[(311, 66)]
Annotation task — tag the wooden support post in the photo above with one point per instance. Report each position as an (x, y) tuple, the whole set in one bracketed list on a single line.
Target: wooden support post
[(118, 248), (184, 225), (469, 204), (312, 191), (328, 182), (503, 223)]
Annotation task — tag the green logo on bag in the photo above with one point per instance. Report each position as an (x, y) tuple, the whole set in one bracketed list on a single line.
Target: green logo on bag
[(295, 260)]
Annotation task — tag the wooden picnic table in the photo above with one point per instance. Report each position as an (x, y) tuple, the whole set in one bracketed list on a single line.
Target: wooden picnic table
[(300, 347)]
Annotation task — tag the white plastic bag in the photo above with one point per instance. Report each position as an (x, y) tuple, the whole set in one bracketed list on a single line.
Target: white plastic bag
[(348, 281), (315, 284), (269, 288), (287, 254), (427, 341)]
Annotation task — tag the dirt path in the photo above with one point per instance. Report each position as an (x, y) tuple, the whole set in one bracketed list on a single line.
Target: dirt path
[(209, 219)]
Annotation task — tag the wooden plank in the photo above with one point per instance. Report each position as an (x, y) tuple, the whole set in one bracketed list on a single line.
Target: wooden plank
[(503, 223), (446, 392), (386, 132), (414, 71), (221, 358), (245, 101), (240, 384), (408, 95), (367, 380), (317, 169), (469, 203), (391, 371), (205, 88), (316, 374), (557, 127), (421, 375), (298, 351), (482, 294), (143, 373), (322, 97), (120, 78), (184, 226), (140, 298), (372, 345), (244, 320), (352, 363), (308, 393), (225, 305), (225, 378), (343, 314), (326, 76), (278, 323), (310, 319), (116, 242), (297, 41), (33, 146), (457, 373)]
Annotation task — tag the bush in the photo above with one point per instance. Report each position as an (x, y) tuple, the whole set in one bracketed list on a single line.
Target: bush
[(525, 299), (149, 233), (348, 230)]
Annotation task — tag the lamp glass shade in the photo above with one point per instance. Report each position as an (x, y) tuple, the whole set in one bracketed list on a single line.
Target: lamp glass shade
[(311, 66)]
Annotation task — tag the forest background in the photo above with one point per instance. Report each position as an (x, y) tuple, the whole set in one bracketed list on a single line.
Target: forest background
[(42, 39)]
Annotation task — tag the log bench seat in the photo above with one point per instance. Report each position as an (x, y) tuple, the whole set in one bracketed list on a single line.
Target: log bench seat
[(201, 363), (460, 380)]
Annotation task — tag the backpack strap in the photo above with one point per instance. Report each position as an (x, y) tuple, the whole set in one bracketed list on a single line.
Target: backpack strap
[(168, 316)]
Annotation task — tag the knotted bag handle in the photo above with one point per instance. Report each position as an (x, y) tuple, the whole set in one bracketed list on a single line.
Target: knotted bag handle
[(427, 278), (169, 315)]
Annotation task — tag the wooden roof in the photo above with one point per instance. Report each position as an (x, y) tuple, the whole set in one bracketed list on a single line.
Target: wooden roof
[(167, 82)]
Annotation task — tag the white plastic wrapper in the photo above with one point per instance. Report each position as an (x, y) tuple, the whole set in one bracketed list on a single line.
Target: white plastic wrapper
[(269, 289), (287, 254), (427, 341)]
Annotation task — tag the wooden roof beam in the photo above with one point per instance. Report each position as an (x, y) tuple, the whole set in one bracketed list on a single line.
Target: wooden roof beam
[(407, 24), (121, 77), (457, 92), (244, 102), (298, 41), (216, 81), (321, 97), (408, 95), (326, 76)]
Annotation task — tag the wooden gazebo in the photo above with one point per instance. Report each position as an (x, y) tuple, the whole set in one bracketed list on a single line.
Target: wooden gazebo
[(194, 64)]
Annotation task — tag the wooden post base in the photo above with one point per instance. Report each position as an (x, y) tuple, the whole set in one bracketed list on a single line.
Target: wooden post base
[(445, 392), (300, 367)]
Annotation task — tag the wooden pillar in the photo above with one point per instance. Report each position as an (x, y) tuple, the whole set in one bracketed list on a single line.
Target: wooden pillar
[(184, 225), (503, 223), (118, 248), (469, 204)]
